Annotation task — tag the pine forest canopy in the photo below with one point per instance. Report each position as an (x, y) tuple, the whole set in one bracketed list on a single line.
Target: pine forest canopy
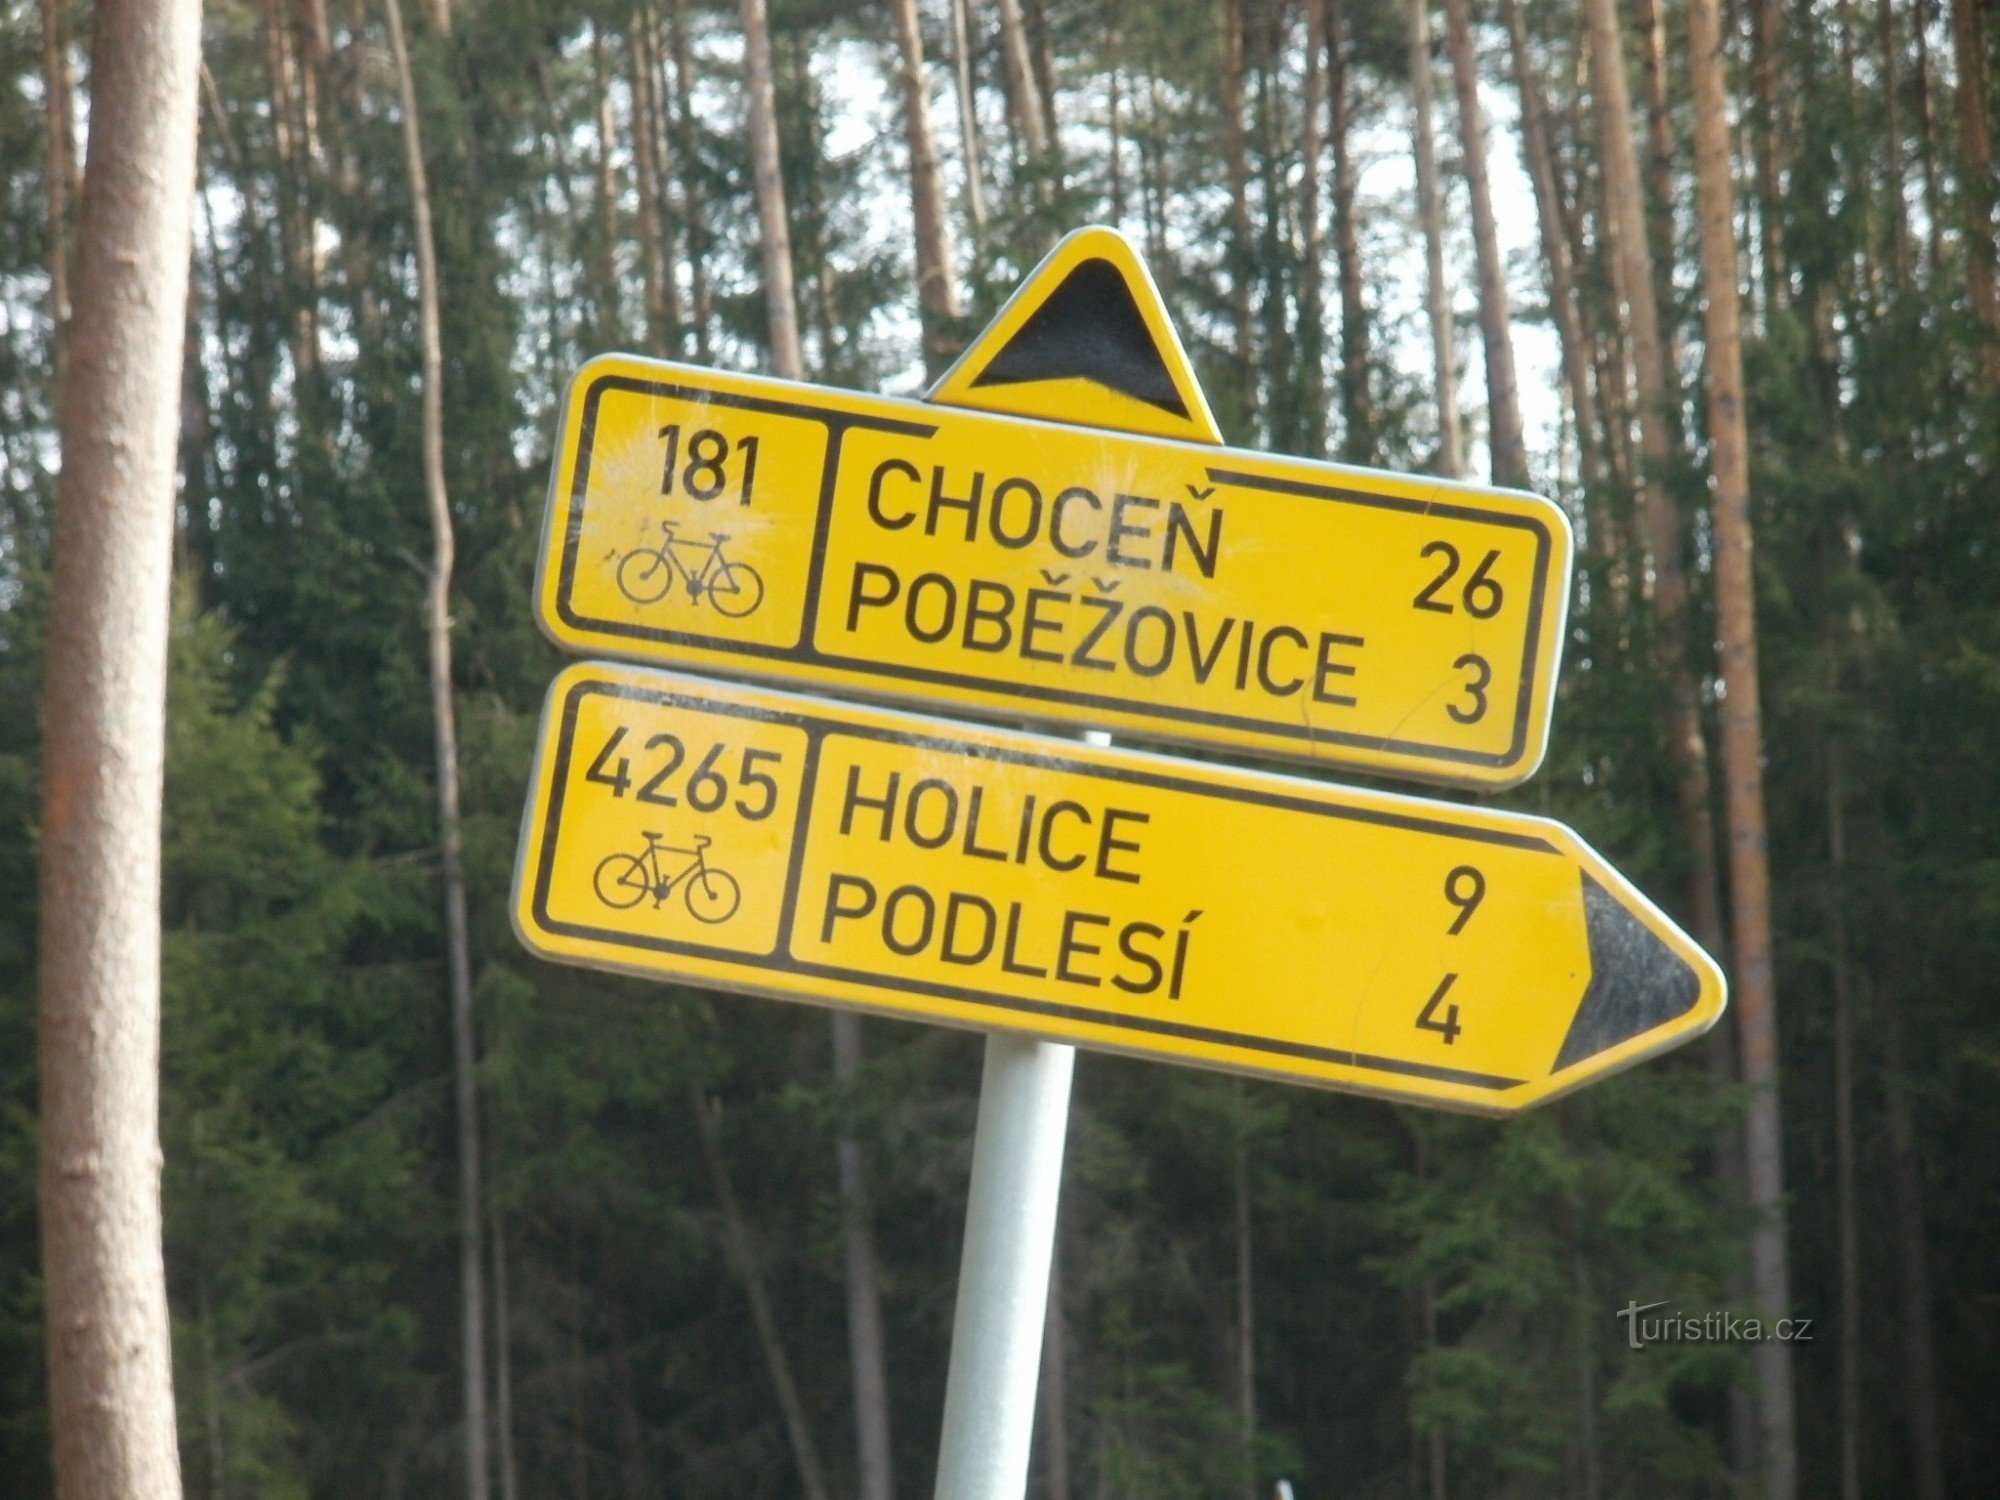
[(711, 1244)]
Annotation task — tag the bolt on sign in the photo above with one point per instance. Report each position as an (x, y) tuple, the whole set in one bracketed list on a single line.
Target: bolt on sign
[(849, 855), (1057, 533)]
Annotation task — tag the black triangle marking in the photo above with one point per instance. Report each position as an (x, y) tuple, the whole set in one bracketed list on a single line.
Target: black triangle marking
[(1636, 981), (1089, 328)]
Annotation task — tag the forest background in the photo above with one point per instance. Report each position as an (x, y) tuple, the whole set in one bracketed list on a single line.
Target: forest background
[(715, 1243)]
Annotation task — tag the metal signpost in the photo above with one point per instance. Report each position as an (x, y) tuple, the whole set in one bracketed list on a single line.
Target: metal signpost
[(1057, 534)]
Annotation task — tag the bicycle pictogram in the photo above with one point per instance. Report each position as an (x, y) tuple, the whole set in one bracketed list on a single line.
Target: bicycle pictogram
[(624, 880), (646, 574)]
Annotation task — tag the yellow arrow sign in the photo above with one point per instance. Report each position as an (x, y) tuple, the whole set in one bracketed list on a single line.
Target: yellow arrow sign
[(745, 838), (1000, 562)]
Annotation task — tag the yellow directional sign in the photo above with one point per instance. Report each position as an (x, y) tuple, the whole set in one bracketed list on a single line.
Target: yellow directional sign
[(993, 560), (744, 838)]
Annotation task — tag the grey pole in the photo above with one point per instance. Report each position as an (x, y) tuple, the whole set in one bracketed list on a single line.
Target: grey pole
[(1003, 1278)]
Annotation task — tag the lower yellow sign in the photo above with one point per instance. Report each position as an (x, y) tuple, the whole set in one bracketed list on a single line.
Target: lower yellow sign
[(846, 855)]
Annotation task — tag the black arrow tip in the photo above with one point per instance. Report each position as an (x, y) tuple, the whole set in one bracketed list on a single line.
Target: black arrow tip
[(1636, 981)]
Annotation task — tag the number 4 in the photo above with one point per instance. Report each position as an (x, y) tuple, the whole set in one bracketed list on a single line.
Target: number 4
[(1427, 1019)]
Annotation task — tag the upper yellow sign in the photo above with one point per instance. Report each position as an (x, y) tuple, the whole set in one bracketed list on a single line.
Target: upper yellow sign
[(1024, 567), (855, 856)]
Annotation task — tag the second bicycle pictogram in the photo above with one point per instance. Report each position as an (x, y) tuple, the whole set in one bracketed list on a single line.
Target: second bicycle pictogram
[(711, 895)]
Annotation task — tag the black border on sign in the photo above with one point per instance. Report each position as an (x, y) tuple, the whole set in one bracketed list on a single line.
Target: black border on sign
[(817, 728), (808, 651)]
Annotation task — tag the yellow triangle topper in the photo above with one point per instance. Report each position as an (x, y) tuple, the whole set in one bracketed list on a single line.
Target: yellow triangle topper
[(1085, 340)]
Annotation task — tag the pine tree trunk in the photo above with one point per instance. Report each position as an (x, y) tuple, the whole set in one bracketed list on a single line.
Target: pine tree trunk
[(1765, 20), (1503, 392), (444, 718), (780, 301), (702, 309), (58, 165), (1927, 155), (654, 270), (1891, 58), (1114, 98), (1246, 1316), (1430, 209), (1659, 162), (743, 1260), (1743, 746), (968, 130), (503, 1367), (865, 1342), (1052, 1397), (106, 1324), (1969, 40), (1918, 1376), (1241, 259), (1357, 444), (1846, 1208), (937, 276), (607, 298), (1632, 283), (1022, 93), (1556, 262), (1312, 238)]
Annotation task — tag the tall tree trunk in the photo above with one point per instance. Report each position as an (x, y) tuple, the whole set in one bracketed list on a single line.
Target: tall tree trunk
[(1496, 332), (1927, 151), (1022, 94), (1847, 1211), (781, 304), (1632, 282), (654, 269), (1430, 209), (1277, 377), (503, 1366), (692, 196), (1890, 48), (608, 302), (1246, 1313), (1556, 262), (1312, 238), (968, 130), (865, 1342), (1743, 746), (1918, 1376), (444, 719), (1357, 408), (743, 1259), (1969, 40), (1766, 17), (58, 164), (1052, 1396), (1659, 159), (1035, 21), (1114, 98), (937, 277), (1240, 258), (111, 1395)]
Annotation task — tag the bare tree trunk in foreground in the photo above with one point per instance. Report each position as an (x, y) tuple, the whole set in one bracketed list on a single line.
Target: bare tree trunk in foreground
[(968, 130), (111, 1394), (444, 720), (1430, 208), (1743, 745)]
